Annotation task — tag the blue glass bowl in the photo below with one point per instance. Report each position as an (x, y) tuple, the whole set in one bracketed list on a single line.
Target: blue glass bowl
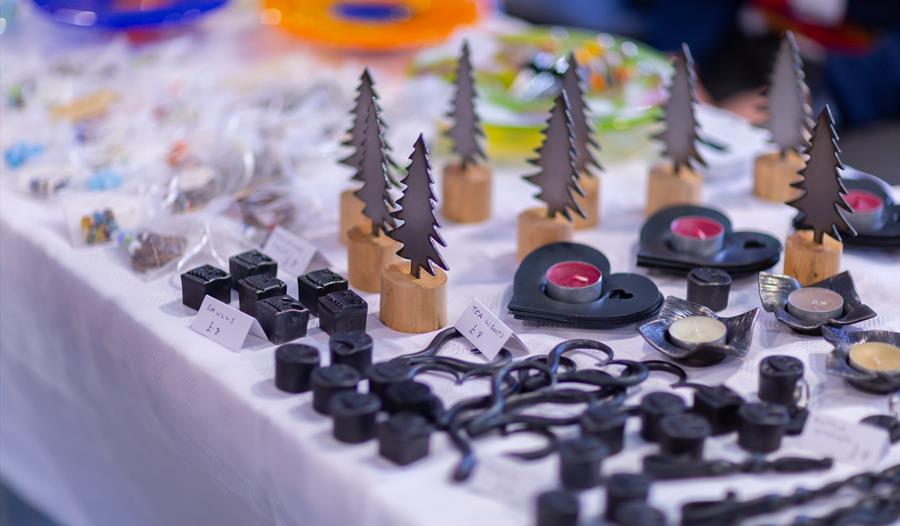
[(124, 14)]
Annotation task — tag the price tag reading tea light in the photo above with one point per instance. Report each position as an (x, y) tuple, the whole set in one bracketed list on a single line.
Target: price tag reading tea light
[(225, 325), (292, 253), (485, 331)]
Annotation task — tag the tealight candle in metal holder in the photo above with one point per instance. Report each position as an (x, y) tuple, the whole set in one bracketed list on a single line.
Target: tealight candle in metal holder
[(574, 282), (698, 235), (815, 304), (868, 210)]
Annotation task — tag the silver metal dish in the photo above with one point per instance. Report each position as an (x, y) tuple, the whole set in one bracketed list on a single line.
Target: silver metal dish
[(775, 288), (839, 359), (737, 339)]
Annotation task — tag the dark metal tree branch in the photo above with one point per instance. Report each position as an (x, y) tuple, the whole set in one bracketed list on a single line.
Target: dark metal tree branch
[(786, 99), (418, 233), (466, 132), (373, 172), (822, 205), (679, 135), (558, 177), (583, 130), (366, 96)]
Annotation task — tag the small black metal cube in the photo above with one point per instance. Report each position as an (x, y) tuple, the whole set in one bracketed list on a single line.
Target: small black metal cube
[(258, 287), (719, 406), (203, 281), (316, 284), (282, 318), (404, 438), (342, 311), (250, 263)]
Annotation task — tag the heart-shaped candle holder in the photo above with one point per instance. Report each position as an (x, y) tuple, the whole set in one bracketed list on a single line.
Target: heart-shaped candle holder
[(774, 290), (681, 238), (738, 336), (622, 298), (840, 362)]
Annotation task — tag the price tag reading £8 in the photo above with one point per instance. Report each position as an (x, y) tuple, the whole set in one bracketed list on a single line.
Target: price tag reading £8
[(292, 253), (485, 331), (225, 325)]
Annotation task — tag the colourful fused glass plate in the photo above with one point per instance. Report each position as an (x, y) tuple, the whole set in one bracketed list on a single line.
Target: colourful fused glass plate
[(624, 83)]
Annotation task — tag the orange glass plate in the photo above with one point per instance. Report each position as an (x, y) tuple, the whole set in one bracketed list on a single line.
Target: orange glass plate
[(371, 24)]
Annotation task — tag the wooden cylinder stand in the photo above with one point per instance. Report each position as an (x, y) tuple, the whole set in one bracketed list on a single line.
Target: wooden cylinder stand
[(773, 175), (589, 203), (811, 262), (536, 229), (351, 214), (667, 188), (467, 193), (413, 305), (366, 256)]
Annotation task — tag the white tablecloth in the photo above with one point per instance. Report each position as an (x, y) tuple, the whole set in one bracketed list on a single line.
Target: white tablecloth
[(115, 412)]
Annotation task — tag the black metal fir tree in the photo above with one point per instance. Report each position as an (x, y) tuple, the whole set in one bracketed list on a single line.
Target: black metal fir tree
[(465, 133), (822, 205), (786, 99), (373, 173), (558, 177), (679, 135), (366, 97), (582, 129), (418, 233)]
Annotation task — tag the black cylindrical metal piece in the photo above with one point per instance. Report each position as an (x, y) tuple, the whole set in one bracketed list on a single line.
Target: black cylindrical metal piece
[(329, 381), (353, 348), (294, 365)]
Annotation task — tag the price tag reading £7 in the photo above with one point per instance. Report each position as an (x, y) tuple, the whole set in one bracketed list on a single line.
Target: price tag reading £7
[(292, 253), (485, 331), (225, 325)]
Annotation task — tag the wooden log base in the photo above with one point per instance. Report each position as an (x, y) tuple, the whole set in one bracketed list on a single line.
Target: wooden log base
[(536, 229), (366, 256), (589, 203), (467, 193), (773, 175), (666, 188), (351, 214), (811, 262), (413, 305)]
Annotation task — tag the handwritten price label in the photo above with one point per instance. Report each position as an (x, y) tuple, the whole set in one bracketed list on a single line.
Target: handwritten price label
[(224, 324), (485, 331), (292, 253), (859, 444)]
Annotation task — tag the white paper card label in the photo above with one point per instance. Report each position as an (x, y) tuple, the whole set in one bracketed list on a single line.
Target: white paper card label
[(225, 325), (292, 253), (859, 444), (485, 331)]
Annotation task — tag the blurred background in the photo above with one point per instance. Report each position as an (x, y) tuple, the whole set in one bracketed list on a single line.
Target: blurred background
[(137, 86)]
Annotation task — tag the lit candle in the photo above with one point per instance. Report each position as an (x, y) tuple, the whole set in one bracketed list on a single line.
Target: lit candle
[(574, 282), (875, 357), (815, 304), (867, 208), (698, 235), (692, 331)]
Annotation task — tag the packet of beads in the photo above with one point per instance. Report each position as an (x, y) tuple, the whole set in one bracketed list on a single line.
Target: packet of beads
[(92, 219), (154, 248)]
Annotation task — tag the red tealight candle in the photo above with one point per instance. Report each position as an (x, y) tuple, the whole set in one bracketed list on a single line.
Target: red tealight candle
[(699, 235), (867, 210), (574, 282)]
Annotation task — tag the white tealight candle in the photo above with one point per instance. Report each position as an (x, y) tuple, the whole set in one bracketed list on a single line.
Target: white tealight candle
[(692, 331), (815, 304), (876, 357)]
